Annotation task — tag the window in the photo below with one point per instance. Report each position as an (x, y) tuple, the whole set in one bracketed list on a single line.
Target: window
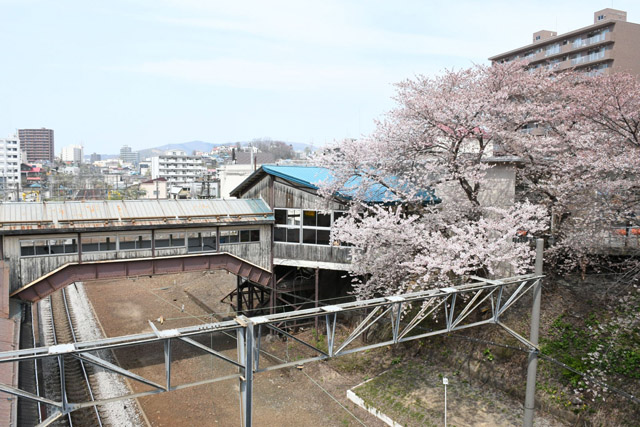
[(247, 236), (201, 241), (239, 236), (27, 248), (315, 228), (170, 240), (48, 247), (98, 243), (552, 49), (229, 236), (128, 242), (64, 246), (600, 17)]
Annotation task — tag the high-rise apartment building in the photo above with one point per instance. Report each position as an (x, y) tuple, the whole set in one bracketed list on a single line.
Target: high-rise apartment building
[(9, 167), (129, 156), (72, 154), (610, 44), (37, 143)]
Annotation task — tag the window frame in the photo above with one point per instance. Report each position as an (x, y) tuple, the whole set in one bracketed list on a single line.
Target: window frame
[(138, 241), (60, 242), (170, 238), (110, 239), (203, 235), (304, 230)]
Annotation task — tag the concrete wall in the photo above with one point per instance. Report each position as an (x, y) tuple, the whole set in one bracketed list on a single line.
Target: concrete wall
[(498, 190), (231, 176)]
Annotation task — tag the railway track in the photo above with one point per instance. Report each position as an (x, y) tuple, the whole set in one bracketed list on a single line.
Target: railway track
[(79, 385), (29, 375)]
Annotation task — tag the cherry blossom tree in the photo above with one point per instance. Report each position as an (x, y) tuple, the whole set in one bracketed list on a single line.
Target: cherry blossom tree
[(583, 164), (440, 138), (574, 138)]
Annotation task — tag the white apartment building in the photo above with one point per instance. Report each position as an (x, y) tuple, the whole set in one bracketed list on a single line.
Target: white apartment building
[(10, 159), (72, 153), (178, 168)]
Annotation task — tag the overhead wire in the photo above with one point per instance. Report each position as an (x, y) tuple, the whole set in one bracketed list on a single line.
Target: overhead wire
[(261, 350), (541, 355)]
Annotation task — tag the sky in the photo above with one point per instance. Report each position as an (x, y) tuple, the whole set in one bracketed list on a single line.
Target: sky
[(146, 73)]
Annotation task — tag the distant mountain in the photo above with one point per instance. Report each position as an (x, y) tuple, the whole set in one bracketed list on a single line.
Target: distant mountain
[(187, 147), (191, 146)]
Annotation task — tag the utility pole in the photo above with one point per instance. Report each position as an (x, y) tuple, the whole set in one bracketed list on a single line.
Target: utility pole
[(530, 396)]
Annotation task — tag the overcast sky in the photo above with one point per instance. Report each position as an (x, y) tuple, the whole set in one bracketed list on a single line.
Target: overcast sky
[(152, 72)]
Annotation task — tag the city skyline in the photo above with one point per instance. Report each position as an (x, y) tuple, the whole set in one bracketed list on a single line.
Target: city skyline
[(147, 74)]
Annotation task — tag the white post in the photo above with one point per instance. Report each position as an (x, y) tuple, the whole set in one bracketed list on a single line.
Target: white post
[(445, 381)]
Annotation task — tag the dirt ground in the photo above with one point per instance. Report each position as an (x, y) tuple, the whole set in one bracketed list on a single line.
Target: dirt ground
[(412, 394), (287, 397), (312, 396)]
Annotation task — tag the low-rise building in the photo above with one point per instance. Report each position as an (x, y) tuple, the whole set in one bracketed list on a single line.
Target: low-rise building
[(154, 189)]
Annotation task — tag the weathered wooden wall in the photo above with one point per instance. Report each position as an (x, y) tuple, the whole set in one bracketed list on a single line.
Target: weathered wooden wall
[(258, 253), (316, 253), (287, 195), (24, 270)]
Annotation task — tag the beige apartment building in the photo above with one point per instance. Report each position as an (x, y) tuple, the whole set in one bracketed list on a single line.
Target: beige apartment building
[(610, 44)]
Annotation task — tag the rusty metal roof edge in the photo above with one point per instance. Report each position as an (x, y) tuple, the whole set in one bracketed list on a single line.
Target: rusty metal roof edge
[(50, 212)]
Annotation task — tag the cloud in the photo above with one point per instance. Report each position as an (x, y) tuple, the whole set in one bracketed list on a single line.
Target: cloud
[(325, 24), (253, 74)]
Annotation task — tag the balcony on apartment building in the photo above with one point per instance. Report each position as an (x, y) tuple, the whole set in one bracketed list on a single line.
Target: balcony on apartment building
[(558, 50)]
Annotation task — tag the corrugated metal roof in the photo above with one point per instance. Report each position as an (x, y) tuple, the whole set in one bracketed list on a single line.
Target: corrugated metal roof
[(25, 215)]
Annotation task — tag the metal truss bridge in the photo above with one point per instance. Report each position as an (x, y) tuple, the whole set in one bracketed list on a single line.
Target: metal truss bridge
[(401, 318)]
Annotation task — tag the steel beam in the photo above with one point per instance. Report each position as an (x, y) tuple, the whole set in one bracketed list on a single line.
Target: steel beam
[(111, 269), (94, 360)]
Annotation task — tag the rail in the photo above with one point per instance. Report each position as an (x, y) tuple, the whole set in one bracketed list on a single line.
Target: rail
[(63, 330)]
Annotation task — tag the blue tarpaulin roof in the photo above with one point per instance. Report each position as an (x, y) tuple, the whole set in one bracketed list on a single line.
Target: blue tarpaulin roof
[(313, 177)]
